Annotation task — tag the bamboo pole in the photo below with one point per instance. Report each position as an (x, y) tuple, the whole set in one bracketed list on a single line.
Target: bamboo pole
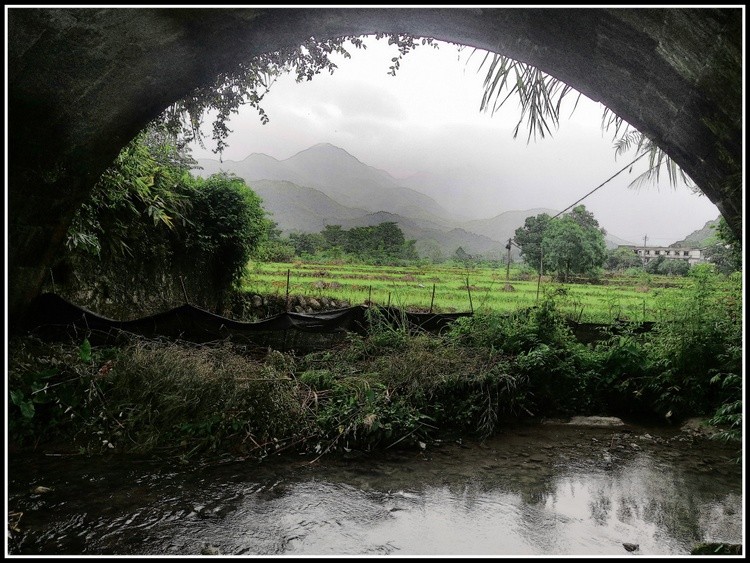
[(287, 289), (539, 281), (184, 293), (507, 271), (471, 305)]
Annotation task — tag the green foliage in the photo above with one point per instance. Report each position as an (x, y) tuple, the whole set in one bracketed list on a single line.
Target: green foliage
[(622, 260), (571, 248), (229, 224), (394, 386), (674, 268), (308, 244), (725, 251), (355, 412), (379, 244), (51, 387), (139, 185), (151, 224), (529, 239), (153, 396), (250, 81), (248, 84), (272, 246), (541, 97), (701, 340), (571, 244), (513, 333)]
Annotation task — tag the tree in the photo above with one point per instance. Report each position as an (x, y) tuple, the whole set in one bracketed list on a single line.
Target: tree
[(541, 96), (652, 266), (529, 238), (273, 247), (621, 259), (307, 243), (334, 236), (142, 182), (674, 267), (725, 250), (571, 249), (584, 218), (229, 224), (462, 256)]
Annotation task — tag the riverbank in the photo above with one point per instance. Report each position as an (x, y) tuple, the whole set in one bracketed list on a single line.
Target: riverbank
[(554, 488)]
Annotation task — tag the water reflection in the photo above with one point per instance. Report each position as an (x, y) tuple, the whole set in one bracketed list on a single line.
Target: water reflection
[(509, 496)]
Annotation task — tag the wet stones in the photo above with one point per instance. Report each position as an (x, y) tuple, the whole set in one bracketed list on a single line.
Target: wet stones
[(606, 421)]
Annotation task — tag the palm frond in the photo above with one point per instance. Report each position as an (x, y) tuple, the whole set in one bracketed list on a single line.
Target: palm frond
[(541, 97)]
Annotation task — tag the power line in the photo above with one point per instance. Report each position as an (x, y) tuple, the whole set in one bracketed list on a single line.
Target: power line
[(603, 183), (596, 188), (541, 253)]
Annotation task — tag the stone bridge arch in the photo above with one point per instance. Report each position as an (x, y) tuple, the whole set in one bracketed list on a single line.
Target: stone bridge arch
[(83, 81)]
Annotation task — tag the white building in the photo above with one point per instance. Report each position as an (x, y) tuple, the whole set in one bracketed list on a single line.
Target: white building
[(648, 253)]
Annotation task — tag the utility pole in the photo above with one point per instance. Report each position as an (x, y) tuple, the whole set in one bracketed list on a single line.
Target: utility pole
[(645, 238)]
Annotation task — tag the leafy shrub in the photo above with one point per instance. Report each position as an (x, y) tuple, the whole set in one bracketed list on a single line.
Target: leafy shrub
[(228, 224), (700, 338)]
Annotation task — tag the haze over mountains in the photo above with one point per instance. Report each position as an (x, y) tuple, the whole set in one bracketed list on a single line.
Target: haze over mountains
[(325, 185)]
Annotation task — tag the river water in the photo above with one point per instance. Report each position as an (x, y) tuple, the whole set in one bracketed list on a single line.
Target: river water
[(547, 489)]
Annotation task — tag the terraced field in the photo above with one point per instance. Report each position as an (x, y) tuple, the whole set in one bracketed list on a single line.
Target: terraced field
[(455, 289)]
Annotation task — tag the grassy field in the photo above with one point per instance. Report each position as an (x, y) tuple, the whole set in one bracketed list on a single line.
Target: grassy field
[(466, 289)]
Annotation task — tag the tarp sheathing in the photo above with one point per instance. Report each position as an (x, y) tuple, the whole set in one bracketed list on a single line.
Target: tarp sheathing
[(51, 315)]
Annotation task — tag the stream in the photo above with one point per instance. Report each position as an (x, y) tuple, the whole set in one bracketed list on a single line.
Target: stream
[(543, 489)]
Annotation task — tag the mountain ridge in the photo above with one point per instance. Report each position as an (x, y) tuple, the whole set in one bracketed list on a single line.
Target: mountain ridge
[(325, 184)]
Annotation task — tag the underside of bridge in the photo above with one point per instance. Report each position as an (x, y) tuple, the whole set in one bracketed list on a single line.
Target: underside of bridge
[(83, 81)]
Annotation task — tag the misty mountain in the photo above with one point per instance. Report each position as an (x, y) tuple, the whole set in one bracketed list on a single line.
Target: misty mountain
[(503, 226), (338, 175), (325, 185), (300, 209), (699, 238)]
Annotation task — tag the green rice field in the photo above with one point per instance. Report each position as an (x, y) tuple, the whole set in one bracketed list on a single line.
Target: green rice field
[(444, 289)]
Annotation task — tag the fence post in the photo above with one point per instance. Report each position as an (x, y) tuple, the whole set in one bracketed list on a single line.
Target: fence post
[(287, 289), (433, 297), (471, 305), (184, 293)]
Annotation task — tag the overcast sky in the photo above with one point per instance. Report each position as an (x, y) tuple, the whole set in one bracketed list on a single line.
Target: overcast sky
[(427, 120)]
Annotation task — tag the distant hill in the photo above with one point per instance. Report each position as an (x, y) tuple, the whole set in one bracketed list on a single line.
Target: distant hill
[(299, 209), (340, 176), (503, 226), (699, 238), (325, 185)]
